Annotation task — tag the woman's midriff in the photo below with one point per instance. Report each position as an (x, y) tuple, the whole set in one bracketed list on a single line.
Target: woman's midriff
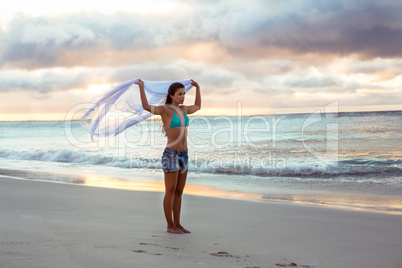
[(177, 138)]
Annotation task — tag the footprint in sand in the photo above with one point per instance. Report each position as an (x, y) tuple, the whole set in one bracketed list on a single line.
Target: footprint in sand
[(292, 264), (173, 248), (148, 244), (144, 251), (140, 251), (222, 254)]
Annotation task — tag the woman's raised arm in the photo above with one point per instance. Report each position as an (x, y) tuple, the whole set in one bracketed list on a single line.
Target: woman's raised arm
[(197, 103), (150, 108)]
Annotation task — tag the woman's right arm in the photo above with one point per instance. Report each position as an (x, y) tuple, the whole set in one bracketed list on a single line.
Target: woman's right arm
[(150, 108)]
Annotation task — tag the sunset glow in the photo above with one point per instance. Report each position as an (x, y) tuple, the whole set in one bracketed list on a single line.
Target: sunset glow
[(270, 56)]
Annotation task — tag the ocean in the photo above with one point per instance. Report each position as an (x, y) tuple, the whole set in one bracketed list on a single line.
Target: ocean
[(343, 160)]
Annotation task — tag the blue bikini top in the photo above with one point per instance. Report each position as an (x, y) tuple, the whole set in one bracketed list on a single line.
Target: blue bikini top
[(176, 122)]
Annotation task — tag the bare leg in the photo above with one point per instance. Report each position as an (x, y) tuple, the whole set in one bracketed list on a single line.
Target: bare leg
[(171, 179), (181, 182)]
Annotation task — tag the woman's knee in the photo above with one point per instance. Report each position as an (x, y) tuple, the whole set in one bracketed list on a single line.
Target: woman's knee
[(170, 191), (178, 192)]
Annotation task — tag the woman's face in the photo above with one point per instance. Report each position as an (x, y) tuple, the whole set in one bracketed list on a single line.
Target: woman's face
[(179, 96)]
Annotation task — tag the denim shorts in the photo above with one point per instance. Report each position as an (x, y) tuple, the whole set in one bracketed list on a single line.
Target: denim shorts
[(173, 160)]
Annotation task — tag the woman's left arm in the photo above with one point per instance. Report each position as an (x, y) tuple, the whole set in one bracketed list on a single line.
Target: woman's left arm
[(197, 103)]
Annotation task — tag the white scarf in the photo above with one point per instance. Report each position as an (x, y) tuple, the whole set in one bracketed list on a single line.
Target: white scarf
[(124, 102)]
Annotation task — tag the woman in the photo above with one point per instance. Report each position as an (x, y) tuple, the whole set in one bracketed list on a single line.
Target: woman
[(175, 155)]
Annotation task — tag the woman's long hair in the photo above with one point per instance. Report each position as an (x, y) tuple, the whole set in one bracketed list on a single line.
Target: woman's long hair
[(171, 91)]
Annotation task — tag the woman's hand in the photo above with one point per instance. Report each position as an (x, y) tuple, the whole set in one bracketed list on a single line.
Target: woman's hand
[(195, 83), (140, 83)]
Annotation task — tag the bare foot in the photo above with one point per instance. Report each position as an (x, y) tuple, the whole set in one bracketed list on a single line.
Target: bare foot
[(174, 230), (182, 228)]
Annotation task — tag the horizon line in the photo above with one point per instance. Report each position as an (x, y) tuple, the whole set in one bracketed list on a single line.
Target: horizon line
[(78, 120)]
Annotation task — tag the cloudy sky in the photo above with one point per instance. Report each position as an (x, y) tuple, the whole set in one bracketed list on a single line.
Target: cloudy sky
[(288, 56)]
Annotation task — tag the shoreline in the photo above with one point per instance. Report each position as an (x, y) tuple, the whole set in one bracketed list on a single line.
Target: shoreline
[(332, 200), (61, 225)]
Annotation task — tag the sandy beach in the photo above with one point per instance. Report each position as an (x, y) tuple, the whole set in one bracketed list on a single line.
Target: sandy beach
[(46, 224)]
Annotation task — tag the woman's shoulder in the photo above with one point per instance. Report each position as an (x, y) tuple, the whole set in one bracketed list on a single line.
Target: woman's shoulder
[(168, 110), (183, 107), (165, 106)]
